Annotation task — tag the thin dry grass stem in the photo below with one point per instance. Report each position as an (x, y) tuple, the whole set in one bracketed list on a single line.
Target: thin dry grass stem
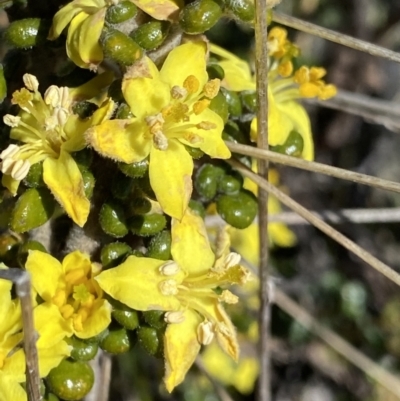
[(342, 216), (219, 388), (336, 37), (314, 166), (373, 110), (261, 56), (369, 367), (318, 223), (22, 282)]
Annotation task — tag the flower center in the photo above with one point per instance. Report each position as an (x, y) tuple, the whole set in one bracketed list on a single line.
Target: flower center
[(76, 297)]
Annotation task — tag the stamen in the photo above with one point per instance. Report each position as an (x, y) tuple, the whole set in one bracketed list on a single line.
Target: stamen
[(9, 151), (229, 298), (160, 141), (206, 125), (168, 287), (20, 169), (31, 82), (169, 268), (174, 317), (233, 259), (211, 88), (52, 96), (177, 92), (191, 84), (155, 123), (205, 332), (11, 121), (200, 106)]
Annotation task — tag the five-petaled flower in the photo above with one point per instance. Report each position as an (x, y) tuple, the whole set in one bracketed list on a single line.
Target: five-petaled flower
[(49, 132), (189, 288), (71, 287), (51, 346), (285, 87), (170, 109)]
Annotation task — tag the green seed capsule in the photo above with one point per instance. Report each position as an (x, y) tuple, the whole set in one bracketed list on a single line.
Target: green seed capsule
[(215, 71), (206, 180), (143, 184), (220, 106), (116, 341), (126, 316), (84, 109), (242, 9), (151, 34), (88, 183), (199, 16), (33, 208), (112, 219), (151, 340), (120, 47), (135, 170), (233, 133), (115, 91), (122, 187), (28, 32), (230, 184), (234, 103), (71, 380), (147, 224), (155, 319), (238, 210), (292, 147), (82, 350), (24, 249), (249, 100), (120, 12), (198, 208), (160, 246), (196, 153), (83, 158), (123, 112), (114, 254), (140, 206), (34, 179), (9, 245)]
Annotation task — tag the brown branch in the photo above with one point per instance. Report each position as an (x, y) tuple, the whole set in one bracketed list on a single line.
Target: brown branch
[(314, 166), (318, 223)]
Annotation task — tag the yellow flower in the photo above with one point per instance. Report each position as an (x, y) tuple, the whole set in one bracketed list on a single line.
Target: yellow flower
[(184, 287), (170, 109), (70, 286), (286, 86), (49, 133), (51, 347), (86, 21)]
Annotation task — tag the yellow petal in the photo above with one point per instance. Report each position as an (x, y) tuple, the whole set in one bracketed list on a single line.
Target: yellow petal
[(181, 348), (65, 181), (98, 320), (77, 260), (298, 116), (237, 71), (143, 89), (170, 174), (8, 182), (210, 140), (89, 33), (190, 247), (90, 89), (122, 140), (73, 40), (160, 9), (136, 284), (62, 18), (51, 326), (188, 59), (10, 389), (45, 271)]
